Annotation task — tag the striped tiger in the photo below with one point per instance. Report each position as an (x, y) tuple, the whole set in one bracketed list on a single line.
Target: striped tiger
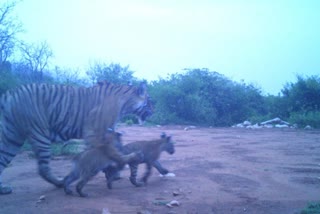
[(44, 113)]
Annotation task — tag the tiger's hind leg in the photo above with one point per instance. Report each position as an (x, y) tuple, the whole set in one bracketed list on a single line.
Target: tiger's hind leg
[(10, 144), (41, 147)]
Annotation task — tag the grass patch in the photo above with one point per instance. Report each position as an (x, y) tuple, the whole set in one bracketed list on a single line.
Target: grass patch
[(26, 147), (312, 208), (58, 149), (129, 122)]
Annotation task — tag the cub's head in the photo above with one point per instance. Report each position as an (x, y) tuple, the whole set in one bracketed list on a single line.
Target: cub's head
[(113, 138), (167, 144)]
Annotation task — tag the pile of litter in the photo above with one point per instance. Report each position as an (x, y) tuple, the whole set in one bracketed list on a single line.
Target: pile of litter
[(273, 123)]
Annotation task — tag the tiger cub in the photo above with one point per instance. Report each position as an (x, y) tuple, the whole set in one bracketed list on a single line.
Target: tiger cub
[(88, 163), (151, 151)]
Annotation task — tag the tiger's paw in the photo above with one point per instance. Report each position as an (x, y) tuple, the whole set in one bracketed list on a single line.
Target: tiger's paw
[(109, 185), (4, 190), (139, 184), (68, 191), (59, 183), (83, 195)]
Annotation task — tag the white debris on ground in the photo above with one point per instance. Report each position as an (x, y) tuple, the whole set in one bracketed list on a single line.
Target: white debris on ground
[(273, 123), (41, 198), (189, 127), (173, 203), (105, 211), (170, 174)]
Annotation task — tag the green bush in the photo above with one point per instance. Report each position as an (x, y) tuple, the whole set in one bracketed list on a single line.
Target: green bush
[(312, 208), (202, 97), (303, 95), (7, 80), (302, 119)]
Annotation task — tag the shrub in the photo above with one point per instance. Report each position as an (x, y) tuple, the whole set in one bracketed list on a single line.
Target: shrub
[(312, 208), (302, 119)]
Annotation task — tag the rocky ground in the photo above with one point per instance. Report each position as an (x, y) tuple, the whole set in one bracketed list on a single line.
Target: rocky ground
[(217, 170)]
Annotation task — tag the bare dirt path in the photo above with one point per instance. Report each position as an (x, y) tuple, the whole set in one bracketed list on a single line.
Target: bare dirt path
[(218, 170)]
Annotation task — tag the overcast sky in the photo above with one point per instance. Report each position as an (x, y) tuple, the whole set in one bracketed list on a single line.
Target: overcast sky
[(262, 42)]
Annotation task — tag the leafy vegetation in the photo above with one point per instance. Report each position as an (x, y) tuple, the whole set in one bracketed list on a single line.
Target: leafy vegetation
[(196, 96), (200, 96), (312, 208), (58, 149)]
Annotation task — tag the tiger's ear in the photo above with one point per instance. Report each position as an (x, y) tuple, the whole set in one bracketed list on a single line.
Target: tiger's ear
[(142, 90)]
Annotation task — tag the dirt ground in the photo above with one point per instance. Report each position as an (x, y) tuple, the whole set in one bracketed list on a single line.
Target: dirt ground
[(218, 170)]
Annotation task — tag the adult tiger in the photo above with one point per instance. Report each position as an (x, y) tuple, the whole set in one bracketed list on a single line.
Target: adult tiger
[(43, 113)]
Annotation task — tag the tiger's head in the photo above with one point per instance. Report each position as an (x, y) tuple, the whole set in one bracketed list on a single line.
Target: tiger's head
[(139, 103), (121, 100)]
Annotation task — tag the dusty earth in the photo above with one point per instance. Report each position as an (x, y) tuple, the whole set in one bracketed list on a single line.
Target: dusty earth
[(218, 170)]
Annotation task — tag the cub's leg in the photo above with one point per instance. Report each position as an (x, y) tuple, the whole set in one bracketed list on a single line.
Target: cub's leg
[(83, 181), (159, 167), (147, 173), (73, 176), (133, 175), (111, 174)]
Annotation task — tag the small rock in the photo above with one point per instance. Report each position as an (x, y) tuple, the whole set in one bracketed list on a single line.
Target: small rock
[(268, 126), (173, 203), (240, 125), (41, 199), (144, 212), (170, 174), (281, 126), (175, 193), (189, 127), (246, 123), (105, 211), (308, 127), (255, 126)]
